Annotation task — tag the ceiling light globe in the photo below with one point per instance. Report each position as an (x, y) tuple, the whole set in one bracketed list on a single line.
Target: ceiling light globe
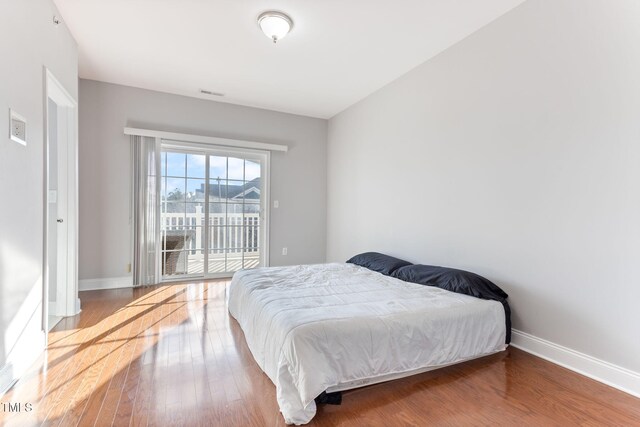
[(275, 25)]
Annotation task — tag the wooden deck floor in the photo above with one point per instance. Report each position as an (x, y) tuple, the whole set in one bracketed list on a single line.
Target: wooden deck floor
[(195, 266), (171, 355)]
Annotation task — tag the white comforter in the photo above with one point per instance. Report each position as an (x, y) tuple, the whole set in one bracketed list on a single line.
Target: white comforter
[(322, 327)]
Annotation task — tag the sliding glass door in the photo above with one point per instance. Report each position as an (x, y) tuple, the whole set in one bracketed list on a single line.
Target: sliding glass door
[(212, 211)]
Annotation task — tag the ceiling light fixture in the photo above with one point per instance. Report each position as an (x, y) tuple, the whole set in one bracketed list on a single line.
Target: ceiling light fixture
[(275, 25)]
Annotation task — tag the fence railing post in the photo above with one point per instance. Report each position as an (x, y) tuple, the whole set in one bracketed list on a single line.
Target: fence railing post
[(239, 232)]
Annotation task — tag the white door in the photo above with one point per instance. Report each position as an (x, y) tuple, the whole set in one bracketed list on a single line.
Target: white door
[(58, 203), (61, 291), (58, 206)]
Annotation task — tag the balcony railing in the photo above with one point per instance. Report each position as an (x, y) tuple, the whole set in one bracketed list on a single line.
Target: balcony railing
[(234, 242), (231, 233)]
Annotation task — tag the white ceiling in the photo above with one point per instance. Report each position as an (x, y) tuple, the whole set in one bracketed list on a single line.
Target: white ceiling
[(338, 52)]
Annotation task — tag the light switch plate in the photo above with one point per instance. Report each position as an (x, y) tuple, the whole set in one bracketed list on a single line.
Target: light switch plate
[(17, 128)]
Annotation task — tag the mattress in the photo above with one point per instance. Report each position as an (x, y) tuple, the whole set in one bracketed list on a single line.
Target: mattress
[(326, 327)]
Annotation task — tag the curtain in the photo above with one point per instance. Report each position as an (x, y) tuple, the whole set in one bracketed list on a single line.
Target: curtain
[(146, 188)]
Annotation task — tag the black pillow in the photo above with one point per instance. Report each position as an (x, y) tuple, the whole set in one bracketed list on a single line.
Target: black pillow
[(381, 263), (460, 281)]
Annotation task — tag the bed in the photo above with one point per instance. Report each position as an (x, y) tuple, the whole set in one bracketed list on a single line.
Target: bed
[(333, 327)]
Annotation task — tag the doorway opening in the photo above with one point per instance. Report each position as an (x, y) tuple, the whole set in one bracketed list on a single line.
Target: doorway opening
[(213, 212), (60, 293)]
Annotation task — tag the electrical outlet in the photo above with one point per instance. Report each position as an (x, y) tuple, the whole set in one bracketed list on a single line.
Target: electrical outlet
[(276, 204), (18, 128), (284, 251), (129, 268)]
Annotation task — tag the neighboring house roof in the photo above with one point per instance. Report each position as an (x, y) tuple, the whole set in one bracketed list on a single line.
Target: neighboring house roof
[(248, 190)]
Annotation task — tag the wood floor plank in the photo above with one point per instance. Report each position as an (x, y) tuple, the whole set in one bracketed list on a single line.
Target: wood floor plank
[(93, 378), (172, 355), (53, 366), (112, 364), (107, 410), (66, 369)]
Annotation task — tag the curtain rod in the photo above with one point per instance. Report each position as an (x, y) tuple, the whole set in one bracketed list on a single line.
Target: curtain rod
[(237, 143)]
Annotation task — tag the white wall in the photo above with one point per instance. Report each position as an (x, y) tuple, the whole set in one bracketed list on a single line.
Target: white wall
[(298, 177), (28, 41), (514, 154)]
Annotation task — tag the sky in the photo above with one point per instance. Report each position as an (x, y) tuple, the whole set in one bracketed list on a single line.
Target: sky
[(193, 166)]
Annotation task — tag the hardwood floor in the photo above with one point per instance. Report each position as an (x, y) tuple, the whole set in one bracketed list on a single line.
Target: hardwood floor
[(171, 355)]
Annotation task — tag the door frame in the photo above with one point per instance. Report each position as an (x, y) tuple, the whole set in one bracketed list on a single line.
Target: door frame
[(208, 149), (55, 91)]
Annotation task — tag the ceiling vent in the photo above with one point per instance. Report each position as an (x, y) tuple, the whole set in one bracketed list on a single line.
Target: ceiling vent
[(210, 93)]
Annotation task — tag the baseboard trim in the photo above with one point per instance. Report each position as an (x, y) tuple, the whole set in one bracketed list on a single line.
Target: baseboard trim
[(615, 376), (106, 283)]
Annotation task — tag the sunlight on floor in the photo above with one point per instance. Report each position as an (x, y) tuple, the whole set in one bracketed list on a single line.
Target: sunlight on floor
[(119, 349)]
